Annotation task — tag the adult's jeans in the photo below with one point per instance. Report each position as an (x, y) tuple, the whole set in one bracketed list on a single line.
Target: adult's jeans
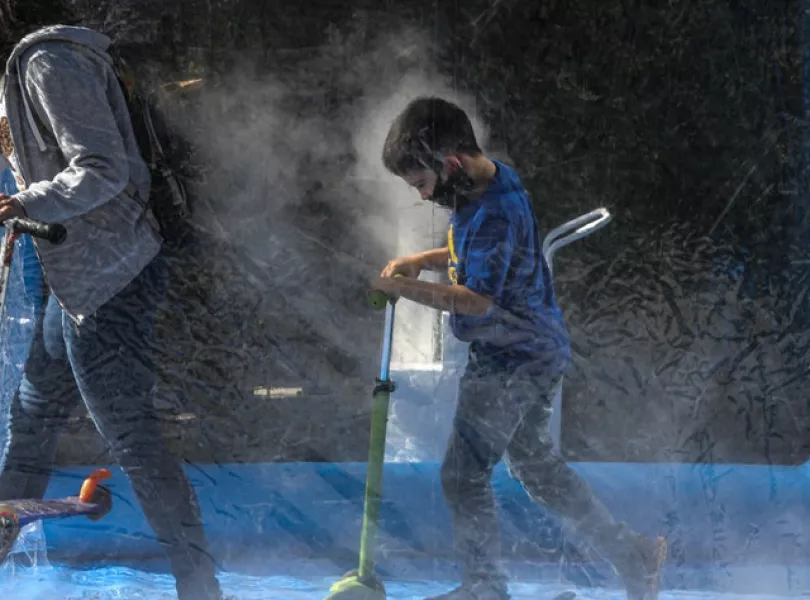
[(107, 363)]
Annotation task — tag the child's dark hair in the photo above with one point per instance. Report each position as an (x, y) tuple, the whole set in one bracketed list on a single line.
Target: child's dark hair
[(423, 132), (18, 18)]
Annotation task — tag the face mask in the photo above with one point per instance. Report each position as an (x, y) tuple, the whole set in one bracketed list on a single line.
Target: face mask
[(452, 192)]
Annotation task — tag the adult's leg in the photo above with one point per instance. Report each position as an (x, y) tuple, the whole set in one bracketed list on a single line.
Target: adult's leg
[(111, 359), (39, 410), (548, 479)]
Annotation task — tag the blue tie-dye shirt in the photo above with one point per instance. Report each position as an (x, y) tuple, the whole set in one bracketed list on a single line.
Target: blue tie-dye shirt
[(496, 250)]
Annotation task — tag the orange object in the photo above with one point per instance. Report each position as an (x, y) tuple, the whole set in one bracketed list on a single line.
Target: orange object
[(91, 483)]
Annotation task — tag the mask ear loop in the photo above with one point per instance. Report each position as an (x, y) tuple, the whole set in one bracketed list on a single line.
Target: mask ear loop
[(429, 155)]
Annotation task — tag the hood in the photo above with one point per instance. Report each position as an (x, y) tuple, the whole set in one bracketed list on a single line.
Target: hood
[(92, 40), (61, 33)]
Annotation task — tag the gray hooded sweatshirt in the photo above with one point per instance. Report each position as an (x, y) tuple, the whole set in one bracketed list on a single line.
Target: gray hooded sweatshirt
[(79, 158)]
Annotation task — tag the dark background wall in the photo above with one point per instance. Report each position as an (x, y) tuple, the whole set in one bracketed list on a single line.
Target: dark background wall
[(688, 314)]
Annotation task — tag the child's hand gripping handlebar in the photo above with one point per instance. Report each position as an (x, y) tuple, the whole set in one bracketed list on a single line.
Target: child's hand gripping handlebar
[(378, 299)]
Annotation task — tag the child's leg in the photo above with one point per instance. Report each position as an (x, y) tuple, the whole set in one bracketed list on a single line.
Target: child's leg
[(483, 426), (548, 479)]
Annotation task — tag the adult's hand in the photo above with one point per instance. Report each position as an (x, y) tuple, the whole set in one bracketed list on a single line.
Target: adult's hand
[(10, 208)]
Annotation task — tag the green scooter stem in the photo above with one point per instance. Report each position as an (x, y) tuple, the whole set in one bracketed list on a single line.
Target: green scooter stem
[(374, 476), (376, 450)]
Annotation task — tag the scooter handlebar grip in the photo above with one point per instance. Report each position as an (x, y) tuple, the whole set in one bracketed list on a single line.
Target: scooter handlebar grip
[(52, 232), (378, 299)]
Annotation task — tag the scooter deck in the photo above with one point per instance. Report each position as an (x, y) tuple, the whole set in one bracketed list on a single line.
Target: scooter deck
[(30, 511), (94, 501)]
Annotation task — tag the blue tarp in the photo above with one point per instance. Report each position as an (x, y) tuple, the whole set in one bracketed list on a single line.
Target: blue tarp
[(737, 526)]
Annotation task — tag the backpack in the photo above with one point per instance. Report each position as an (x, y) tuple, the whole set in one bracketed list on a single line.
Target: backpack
[(168, 154)]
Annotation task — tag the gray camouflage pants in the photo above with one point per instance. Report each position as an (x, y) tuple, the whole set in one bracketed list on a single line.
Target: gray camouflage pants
[(507, 416)]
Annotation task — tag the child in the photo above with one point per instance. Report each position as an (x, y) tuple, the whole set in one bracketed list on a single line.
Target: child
[(501, 300)]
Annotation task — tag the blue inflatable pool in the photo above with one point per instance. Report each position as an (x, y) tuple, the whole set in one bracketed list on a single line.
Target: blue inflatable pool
[(288, 530)]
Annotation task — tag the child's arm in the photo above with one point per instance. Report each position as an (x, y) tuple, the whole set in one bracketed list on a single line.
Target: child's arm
[(434, 260), (491, 246), (411, 266), (451, 298)]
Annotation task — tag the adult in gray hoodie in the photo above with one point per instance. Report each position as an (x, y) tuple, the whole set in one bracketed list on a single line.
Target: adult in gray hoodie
[(66, 133)]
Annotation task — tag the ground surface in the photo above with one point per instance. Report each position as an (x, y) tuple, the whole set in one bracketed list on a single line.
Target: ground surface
[(59, 583)]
